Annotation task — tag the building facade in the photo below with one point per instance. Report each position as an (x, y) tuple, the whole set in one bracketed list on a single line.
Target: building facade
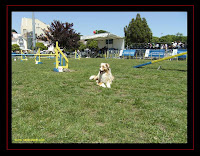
[(108, 40), (27, 32), (26, 26), (19, 40)]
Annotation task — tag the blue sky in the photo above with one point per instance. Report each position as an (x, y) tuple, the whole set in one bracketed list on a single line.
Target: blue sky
[(161, 23)]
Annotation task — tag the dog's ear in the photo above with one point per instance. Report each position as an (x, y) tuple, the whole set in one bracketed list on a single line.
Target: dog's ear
[(107, 65)]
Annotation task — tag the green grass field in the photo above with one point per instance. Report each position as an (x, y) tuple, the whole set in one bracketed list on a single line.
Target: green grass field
[(144, 105)]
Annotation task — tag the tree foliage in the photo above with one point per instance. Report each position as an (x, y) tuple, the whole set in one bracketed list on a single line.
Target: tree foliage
[(92, 44), (82, 46), (101, 31), (41, 46), (170, 38), (13, 30), (15, 47), (137, 31), (63, 33)]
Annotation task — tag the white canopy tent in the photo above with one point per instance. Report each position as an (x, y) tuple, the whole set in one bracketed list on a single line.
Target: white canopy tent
[(107, 40)]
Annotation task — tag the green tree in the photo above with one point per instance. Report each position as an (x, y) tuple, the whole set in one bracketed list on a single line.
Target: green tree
[(92, 44), (15, 47), (179, 36), (184, 39), (147, 34), (155, 39), (41, 46), (172, 38), (101, 31), (168, 38), (137, 31), (82, 46)]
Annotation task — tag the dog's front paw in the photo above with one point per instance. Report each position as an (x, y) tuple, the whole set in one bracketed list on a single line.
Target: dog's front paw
[(108, 85), (92, 77), (102, 84)]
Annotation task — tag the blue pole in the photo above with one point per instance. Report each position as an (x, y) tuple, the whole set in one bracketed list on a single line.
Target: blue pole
[(142, 65)]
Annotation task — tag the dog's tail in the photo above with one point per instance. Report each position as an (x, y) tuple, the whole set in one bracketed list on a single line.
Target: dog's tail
[(93, 77)]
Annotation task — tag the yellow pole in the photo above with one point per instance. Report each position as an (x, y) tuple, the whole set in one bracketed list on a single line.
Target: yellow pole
[(56, 51), (39, 54), (22, 54), (169, 57), (66, 59), (162, 59)]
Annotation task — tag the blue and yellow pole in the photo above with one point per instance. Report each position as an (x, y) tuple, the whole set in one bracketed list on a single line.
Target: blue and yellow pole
[(77, 56), (23, 56), (166, 58)]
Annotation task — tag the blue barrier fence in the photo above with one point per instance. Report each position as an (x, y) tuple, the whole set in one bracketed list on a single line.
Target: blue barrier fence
[(155, 53), (181, 51), (129, 52)]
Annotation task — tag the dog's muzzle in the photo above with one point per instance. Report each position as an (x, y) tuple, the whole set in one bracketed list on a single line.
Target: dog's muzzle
[(101, 71)]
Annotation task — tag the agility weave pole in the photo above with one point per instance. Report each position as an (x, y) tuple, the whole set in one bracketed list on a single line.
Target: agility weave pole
[(166, 58)]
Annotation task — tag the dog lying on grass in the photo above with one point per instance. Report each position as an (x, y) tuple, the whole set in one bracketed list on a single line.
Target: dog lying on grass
[(104, 76)]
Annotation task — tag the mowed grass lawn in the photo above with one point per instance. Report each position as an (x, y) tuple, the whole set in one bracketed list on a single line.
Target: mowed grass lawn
[(144, 105)]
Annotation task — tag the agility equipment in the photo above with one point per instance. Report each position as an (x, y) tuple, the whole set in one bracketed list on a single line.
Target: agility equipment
[(166, 58), (37, 57), (77, 56), (61, 60), (23, 56)]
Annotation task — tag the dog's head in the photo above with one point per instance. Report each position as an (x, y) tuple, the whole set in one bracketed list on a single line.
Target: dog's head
[(104, 67)]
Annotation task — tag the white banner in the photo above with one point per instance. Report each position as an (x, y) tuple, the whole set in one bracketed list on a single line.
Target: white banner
[(147, 52)]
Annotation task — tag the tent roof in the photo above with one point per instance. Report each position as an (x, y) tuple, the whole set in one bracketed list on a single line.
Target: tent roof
[(102, 36)]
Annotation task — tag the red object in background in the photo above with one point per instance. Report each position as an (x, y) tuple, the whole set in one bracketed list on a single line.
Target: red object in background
[(94, 32)]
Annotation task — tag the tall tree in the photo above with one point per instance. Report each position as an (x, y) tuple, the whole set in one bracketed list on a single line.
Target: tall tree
[(63, 33), (137, 31)]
